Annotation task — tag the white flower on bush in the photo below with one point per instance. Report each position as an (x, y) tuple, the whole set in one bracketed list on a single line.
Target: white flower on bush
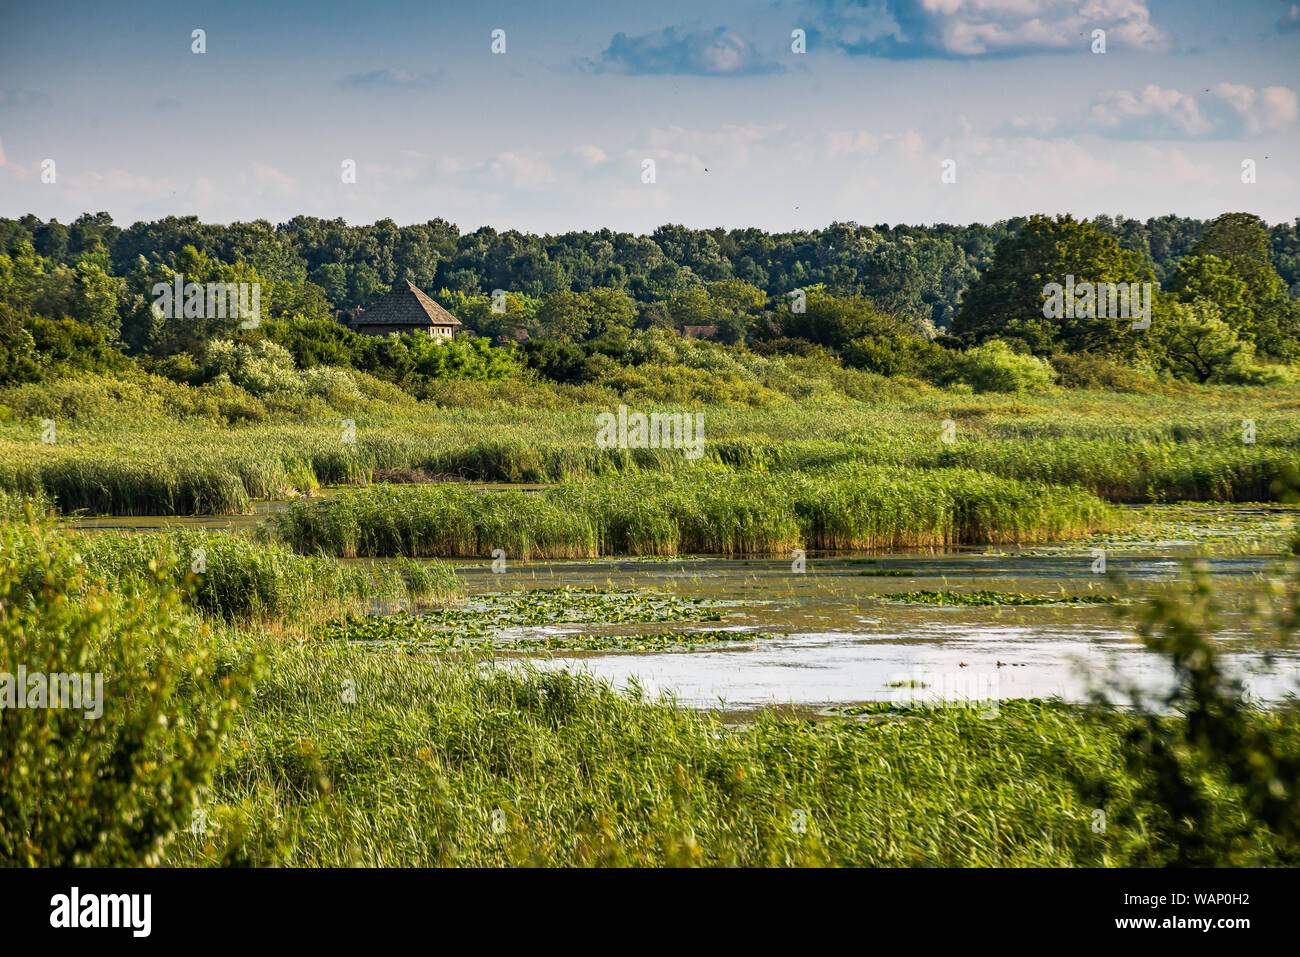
[(266, 368), (335, 386)]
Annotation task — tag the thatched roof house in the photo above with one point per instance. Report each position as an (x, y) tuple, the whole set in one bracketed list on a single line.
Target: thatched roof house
[(699, 332), (406, 309)]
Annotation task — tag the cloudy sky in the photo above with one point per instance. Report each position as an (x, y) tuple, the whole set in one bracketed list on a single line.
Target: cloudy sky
[(553, 134)]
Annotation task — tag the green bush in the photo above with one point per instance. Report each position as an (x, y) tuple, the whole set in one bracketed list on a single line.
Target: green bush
[(1097, 372), (994, 367), (1217, 779), (112, 789)]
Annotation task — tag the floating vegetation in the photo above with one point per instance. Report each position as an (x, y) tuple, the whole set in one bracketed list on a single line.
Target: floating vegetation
[(653, 641), (572, 605), (405, 628), (503, 621), (985, 597)]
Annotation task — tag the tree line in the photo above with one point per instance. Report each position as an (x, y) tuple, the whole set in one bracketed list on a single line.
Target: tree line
[(895, 300)]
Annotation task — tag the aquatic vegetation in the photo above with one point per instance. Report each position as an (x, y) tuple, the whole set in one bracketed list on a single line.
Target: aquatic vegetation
[(985, 597), (718, 511), (119, 458), (419, 630), (234, 577), (484, 619)]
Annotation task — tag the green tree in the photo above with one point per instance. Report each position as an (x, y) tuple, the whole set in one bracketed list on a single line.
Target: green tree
[(1242, 241), (835, 321), (1007, 300), (1208, 277), (567, 316), (1193, 342)]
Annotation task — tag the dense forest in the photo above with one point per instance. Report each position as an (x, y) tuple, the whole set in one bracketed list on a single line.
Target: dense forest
[(920, 268), (932, 303)]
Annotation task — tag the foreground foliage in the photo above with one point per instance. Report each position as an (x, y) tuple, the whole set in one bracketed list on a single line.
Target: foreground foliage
[(112, 789), (390, 752)]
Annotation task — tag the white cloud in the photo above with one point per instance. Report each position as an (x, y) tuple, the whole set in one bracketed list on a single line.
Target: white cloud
[(269, 176), (1272, 108), (522, 171), (1173, 165), (589, 155), (850, 143), (975, 28), (1226, 110), (729, 146), (1154, 112), (1029, 126)]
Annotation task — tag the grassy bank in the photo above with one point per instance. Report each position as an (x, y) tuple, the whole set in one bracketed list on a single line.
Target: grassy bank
[(113, 459), (709, 511)]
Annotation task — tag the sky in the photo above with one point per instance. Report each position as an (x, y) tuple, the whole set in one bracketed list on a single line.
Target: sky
[(878, 111)]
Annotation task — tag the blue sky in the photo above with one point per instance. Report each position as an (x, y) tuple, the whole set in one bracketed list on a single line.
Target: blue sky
[(552, 135)]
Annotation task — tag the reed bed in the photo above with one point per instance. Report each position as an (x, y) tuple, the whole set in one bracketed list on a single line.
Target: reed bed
[(1122, 448), (444, 761), (715, 510), (237, 579)]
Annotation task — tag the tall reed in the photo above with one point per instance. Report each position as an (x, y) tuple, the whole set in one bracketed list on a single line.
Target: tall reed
[(713, 510)]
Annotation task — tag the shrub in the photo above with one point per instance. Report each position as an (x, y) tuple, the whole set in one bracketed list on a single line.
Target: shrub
[(110, 790), (994, 367), (1217, 779), (1096, 372)]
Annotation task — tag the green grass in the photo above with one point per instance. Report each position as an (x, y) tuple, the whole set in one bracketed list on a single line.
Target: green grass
[(116, 458), (434, 749)]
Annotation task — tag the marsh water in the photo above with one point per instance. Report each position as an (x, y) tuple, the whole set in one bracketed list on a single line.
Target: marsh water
[(826, 635), (829, 639)]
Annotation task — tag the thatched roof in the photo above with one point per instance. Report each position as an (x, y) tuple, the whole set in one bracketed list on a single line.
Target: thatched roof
[(699, 332), (405, 305)]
